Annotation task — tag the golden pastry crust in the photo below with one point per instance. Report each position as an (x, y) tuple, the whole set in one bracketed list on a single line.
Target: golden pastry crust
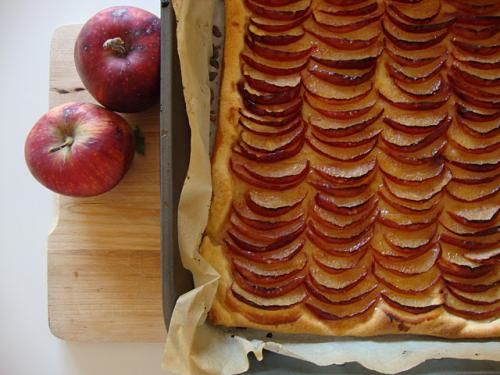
[(229, 311)]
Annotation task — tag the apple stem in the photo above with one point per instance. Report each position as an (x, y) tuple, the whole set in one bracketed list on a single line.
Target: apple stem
[(67, 142), (117, 45)]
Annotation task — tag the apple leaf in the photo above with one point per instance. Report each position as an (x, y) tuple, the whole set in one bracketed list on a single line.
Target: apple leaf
[(140, 144)]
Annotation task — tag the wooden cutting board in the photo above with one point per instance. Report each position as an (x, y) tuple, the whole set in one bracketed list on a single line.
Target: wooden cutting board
[(104, 252)]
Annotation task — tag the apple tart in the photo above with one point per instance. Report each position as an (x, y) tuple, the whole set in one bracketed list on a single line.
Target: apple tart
[(356, 168)]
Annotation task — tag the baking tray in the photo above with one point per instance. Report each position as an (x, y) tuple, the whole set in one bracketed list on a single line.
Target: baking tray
[(174, 161)]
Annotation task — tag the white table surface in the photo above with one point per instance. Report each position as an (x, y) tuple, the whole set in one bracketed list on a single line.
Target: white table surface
[(26, 208)]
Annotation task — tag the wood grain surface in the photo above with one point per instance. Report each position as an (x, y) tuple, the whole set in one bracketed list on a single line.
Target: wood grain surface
[(104, 252)]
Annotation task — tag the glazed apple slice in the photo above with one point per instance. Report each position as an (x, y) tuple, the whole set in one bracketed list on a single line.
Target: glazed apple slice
[(412, 41), (486, 160), (442, 21), (433, 86), (334, 93), (274, 110), (269, 205), (272, 291), (342, 112), (343, 24), (474, 285), (478, 102), (413, 303), (463, 271), (489, 297), (359, 9), (422, 192), (266, 98), (346, 59), (471, 311), (259, 221), (269, 130), (487, 242), (467, 113), (414, 175), (276, 303), (341, 312), (269, 274), (345, 77), (345, 3), (280, 255), (353, 295), (456, 256), (474, 76), (424, 155), (344, 42), (286, 152), (362, 137), (272, 66), (472, 32), (284, 176), (345, 172), (476, 49), (476, 19), (406, 206), (336, 221), (392, 218), (291, 52), (408, 284), (413, 266), (416, 123), (353, 153), (415, 58), (424, 12), (330, 127), (409, 241), (469, 177), (478, 7), (340, 247), (289, 12), (275, 142), (347, 206), (470, 143), (275, 3), (270, 82), (335, 263), (465, 230), (269, 120), (491, 256), (277, 26), (336, 281), (405, 102), (416, 74), (472, 215), (275, 38)]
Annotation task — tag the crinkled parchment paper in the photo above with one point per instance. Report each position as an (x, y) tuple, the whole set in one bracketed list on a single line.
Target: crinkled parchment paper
[(195, 347)]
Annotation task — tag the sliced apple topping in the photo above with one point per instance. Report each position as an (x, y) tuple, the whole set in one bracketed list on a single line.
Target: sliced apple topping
[(471, 311), (408, 284), (269, 303), (280, 255), (414, 266), (288, 12)]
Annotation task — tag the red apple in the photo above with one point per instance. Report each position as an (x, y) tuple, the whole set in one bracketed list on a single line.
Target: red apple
[(79, 149), (117, 56)]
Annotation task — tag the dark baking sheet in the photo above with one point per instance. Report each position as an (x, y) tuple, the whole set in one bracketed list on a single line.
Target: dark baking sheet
[(174, 152)]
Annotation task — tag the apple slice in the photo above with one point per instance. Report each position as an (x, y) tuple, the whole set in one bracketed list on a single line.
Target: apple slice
[(269, 130), (475, 49), (343, 112), (270, 82), (412, 266), (472, 215), (424, 191), (471, 32), (271, 66), (414, 303), (468, 159), (408, 103), (276, 303), (339, 280), (463, 271), (344, 3), (269, 120), (456, 256), (425, 155), (343, 43), (476, 19), (465, 113), (472, 78), (275, 110), (433, 86), (270, 176), (491, 256), (416, 74), (366, 286), (464, 230), (330, 127), (392, 218), (343, 24), (346, 59), (405, 59), (487, 242), (410, 242), (471, 311), (334, 93), (408, 284), (266, 98), (404, 206), (259, 221), (347, 206), (356, 309), (273, 291), (290, 52), (329, 233), (410, 175), (478, 102), (277, 26), (275, 38), (362, 137), (335, 263), (412, 41), (280, 255), (442, 21), (484, 130), (336, 221), (340, 247), (275, 3), (286, 152), (415, 123), (477, 7), (348, 11), (289, 12), (469, 143), (424, 12), (345, 172), (267, 143), (468, 177), (353, 153), (348, 77), (269, 274), (489, 297), (269, 205)]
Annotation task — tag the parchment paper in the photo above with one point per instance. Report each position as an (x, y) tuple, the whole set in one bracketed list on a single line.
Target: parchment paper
[(195, 347)]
